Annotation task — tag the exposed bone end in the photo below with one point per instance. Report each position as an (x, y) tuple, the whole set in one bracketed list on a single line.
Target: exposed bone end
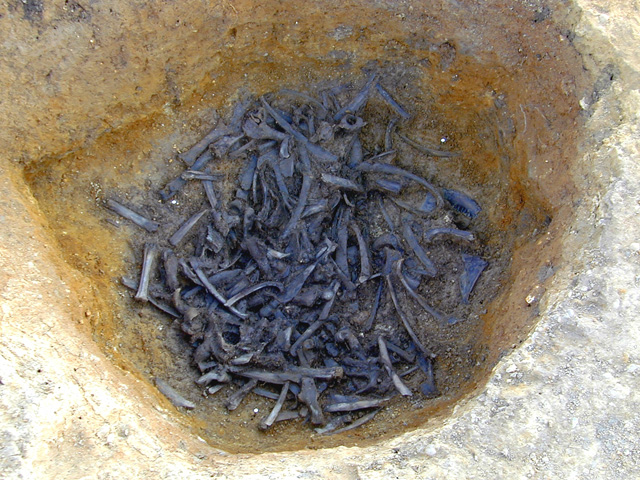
[(309, 396), (150, 254)]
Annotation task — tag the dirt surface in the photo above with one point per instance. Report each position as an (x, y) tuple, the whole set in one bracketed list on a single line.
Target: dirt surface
[(540, 99), (143, 159)]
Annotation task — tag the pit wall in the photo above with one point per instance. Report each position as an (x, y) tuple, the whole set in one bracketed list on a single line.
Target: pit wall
[(72, 73), (64, 403)]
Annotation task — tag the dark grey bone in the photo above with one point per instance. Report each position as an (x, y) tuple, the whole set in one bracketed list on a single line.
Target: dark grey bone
[(254, 288), (218, 375), (217, 295), (357, 423), (365, 255), (237, 397), (175, 185), (173, 396), (261, 131), (133, 285), (358, 101), (386, 361), (334, 423), (355, 152), (343, 183), (314, 149), (148, 225), (148, 260), (374, 309), (434, 152), (294, 374), (393, 170), (189, 157), (359, 405), (420, 299), (307, 334), (271, 418), (171, 270), (399, 109), (405, 320), (388, 136), (419, 252), (389, 186), (184, 229), (463, 234), (309, 396), (197, 175)]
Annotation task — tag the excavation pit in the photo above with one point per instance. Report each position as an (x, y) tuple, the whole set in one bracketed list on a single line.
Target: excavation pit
[(503, 90)]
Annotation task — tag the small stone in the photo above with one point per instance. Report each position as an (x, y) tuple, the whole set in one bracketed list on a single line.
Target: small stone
[(535, 294)]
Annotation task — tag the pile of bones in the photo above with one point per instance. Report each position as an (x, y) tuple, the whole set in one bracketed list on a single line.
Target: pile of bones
[(279, 286)]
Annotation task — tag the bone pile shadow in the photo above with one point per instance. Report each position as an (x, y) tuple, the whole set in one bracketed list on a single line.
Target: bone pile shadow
[(280, 286)]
